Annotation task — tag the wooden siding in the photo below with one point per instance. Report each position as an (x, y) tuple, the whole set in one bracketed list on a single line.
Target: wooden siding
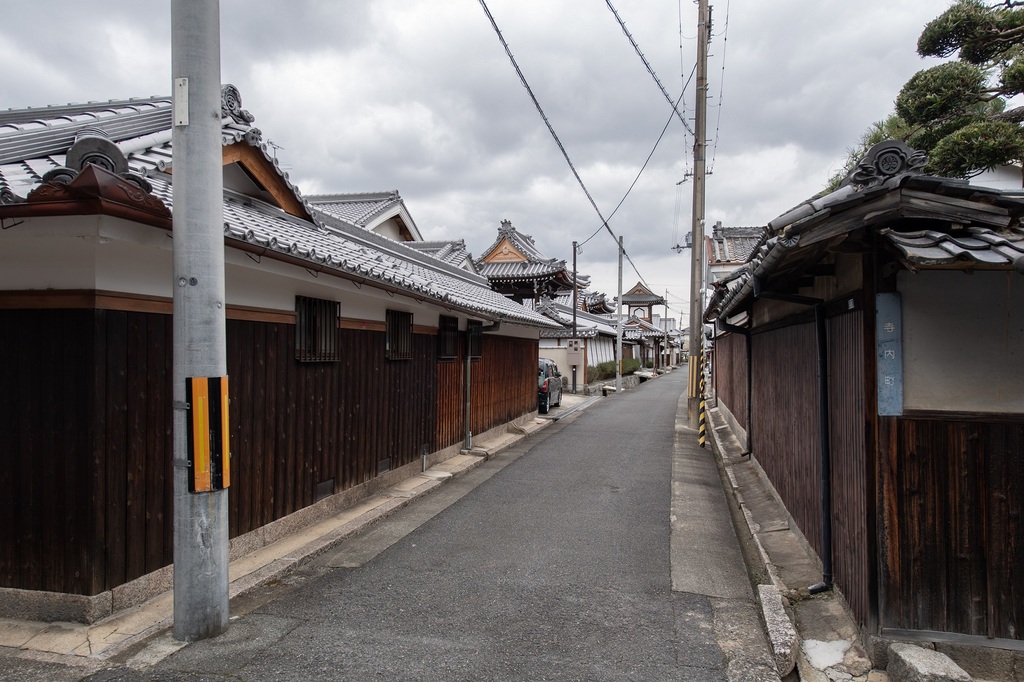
[(730, 368), (852, 473), (953, 538), (785, 422), (85, 418), (786, 441)]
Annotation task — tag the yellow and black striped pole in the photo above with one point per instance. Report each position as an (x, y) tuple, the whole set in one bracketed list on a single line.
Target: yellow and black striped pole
[(702, 418)]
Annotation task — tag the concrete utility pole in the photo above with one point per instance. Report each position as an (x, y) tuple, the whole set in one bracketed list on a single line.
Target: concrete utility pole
[(697, 267), (618, 327), (200, 518)]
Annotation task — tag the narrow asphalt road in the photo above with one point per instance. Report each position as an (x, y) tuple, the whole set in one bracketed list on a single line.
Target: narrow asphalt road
[(549, 562)]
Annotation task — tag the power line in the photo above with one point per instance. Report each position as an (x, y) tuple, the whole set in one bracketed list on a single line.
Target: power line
[(650, 70), (540, 111), (684, 82), (642, 169), (721, 91), (554, 135)]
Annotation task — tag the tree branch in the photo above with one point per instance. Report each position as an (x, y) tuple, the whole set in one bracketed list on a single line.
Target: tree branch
[(1015, 115)]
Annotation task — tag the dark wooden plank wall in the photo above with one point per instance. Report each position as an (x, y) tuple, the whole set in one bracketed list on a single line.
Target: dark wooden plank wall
[(450, 427), (86, 431), (85, 421), (953, 535), (503, 387), (852, 470), (785, 421), (786, 441), (730, 370)]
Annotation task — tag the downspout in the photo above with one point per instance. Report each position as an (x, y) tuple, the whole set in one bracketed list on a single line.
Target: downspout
[(821, 333), (745, 333)]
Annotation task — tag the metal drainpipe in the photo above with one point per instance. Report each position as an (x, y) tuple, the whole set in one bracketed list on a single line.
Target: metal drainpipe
[(467, 444), (821, 332), (745, 333)]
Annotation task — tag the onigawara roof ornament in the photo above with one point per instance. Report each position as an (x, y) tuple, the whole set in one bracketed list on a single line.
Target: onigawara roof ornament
[(885, 160)]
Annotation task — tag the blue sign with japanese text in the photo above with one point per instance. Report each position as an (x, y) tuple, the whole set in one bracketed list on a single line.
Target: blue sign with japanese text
[(889, 334)]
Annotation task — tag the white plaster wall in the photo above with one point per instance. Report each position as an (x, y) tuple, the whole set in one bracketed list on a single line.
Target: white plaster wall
[(389, 228), (600, 349), (111, 254), (963, 341)]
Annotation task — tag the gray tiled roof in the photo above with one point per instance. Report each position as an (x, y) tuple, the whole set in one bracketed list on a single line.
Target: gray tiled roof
[(928, 222), (929, 248), (635, 328), (451, 252), (31, 145), (587, 326), (519, 270), (733, 244), (523, 242), (358, 209)]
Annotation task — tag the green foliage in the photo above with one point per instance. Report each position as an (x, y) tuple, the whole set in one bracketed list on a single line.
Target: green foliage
[(892, 128), (943, 36), (981, 143), (956, 111), (630, 365), (940, 93), (606, 370)]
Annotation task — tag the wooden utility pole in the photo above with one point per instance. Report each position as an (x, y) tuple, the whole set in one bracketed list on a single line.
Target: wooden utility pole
[(697, 267)]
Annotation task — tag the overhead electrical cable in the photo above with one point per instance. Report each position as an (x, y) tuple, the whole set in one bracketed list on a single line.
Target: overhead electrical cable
[(684, 82), (540, 111), (721, 91), (650, 70), (554, 135), (642, 169)]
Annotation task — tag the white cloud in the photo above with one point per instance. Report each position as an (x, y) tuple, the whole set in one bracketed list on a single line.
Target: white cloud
[(419, 96)]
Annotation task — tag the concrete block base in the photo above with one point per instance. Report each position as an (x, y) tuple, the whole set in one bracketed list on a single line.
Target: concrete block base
[(910, 663)]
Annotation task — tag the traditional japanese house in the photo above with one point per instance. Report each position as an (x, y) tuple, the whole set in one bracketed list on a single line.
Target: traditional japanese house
[(347, 352), (871, 349)]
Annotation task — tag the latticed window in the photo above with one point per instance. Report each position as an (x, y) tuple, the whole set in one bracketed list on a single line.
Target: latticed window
[(448, 338), (316, 330), (475, 332), (398, 344)]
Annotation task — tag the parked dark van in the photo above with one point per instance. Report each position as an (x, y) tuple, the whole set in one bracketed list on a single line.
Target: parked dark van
[(549, 385)]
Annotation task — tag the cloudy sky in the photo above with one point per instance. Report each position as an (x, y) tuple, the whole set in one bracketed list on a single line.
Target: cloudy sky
[(420, 96)]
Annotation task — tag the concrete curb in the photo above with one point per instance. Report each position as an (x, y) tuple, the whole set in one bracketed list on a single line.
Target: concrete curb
[(779, 627), (261, 565), (781, 634)]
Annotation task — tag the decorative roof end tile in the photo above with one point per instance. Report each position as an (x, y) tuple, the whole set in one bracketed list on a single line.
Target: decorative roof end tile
[(231, 105), (886, 160)]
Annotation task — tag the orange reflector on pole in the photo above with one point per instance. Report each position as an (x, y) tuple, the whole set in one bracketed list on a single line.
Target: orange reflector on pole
[(209, 450), (702, 428)]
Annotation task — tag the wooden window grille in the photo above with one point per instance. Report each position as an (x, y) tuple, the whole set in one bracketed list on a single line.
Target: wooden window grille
[(398, 343), (316, 330), (475, 335), (448, 338)]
